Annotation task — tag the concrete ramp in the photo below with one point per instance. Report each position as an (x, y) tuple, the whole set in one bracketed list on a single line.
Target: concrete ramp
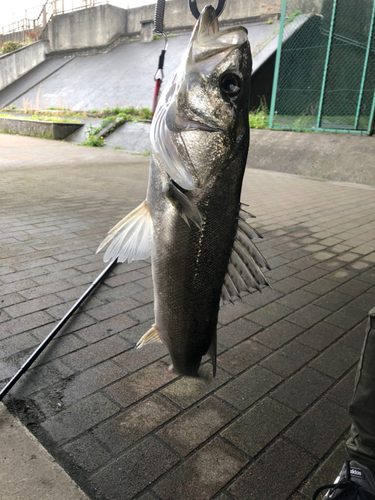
[(33, 79), (122, 77)]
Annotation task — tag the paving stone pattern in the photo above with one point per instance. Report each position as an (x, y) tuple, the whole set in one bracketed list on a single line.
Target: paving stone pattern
[(271, 425)]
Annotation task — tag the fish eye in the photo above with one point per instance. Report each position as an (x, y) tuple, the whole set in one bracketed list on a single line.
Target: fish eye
[(230, 85)]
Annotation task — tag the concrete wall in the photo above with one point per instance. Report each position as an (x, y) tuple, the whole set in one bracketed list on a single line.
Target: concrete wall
[(304, 6), (33, 128), (17, 63), (178, 15), (97, 27), (86, 28)]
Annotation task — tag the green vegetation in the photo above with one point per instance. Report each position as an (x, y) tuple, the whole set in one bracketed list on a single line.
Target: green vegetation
[(10, 47), (116, 116), (7, 131), (131, 114), (293, 16), (270, 21), (39, 136), (156, 37), (260, 117), (93, 140), (41, 118)]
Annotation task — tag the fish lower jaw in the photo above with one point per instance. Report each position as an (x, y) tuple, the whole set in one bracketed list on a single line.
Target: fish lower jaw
[(194, 125)]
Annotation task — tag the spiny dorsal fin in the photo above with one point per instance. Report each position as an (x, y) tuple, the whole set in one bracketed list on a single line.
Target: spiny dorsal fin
[(228, 283), (245, 215), (132, 237), (149, 337), (245, 264), (225, 297), (248, 230), (251, 249)]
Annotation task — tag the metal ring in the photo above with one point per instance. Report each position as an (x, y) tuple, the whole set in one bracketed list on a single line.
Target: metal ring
[(194, 9)]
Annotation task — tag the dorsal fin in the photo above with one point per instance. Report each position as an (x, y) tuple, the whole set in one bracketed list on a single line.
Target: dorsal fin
[(250, 232), (225, 297), (132, 237), (149, 337), (245, 264)]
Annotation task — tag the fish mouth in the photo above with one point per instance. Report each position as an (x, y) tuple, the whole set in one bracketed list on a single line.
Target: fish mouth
[(181, 124), (207, 23), (177, 123), (207, 40)]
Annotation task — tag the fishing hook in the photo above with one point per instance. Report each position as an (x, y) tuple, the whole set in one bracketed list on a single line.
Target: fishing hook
[(218, 11)]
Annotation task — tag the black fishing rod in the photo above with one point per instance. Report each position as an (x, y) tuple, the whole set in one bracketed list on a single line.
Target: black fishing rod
[(57, 328)]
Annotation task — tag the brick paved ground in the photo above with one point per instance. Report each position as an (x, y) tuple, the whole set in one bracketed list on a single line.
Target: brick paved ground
[(271, 424)]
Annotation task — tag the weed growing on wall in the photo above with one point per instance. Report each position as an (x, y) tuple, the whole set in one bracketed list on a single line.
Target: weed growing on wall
[(112, 118), (93, 140), (260, 117), (10, 47)]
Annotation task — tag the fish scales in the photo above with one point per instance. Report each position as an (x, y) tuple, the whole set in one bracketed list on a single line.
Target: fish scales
[(189, 220), (196, 262)]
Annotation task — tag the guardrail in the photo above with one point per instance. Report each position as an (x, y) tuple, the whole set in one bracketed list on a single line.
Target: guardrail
[(29, 30)]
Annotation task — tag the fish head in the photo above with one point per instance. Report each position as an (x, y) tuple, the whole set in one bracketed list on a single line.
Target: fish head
[(202, 114)]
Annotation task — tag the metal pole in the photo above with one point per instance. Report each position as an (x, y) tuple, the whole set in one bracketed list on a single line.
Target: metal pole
[(277, 65), (328, 53), (365, 67), (57, 328)]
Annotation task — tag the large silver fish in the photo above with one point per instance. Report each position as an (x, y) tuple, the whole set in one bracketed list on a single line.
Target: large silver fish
[(191, 222)]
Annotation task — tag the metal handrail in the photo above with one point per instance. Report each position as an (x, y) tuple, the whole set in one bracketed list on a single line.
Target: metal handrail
[(50, 8)]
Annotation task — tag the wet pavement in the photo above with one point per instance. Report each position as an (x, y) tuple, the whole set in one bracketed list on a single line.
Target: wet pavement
[(271, 425)]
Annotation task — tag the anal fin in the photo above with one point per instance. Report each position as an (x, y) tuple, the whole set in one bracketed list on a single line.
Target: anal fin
[(149, 337)]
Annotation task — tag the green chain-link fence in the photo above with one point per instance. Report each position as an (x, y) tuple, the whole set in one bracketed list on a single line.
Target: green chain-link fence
[(325, 67)]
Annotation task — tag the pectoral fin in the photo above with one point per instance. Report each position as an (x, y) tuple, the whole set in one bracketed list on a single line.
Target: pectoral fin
[(164, 141), (132, 238), (149, 337), (184, 206)]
